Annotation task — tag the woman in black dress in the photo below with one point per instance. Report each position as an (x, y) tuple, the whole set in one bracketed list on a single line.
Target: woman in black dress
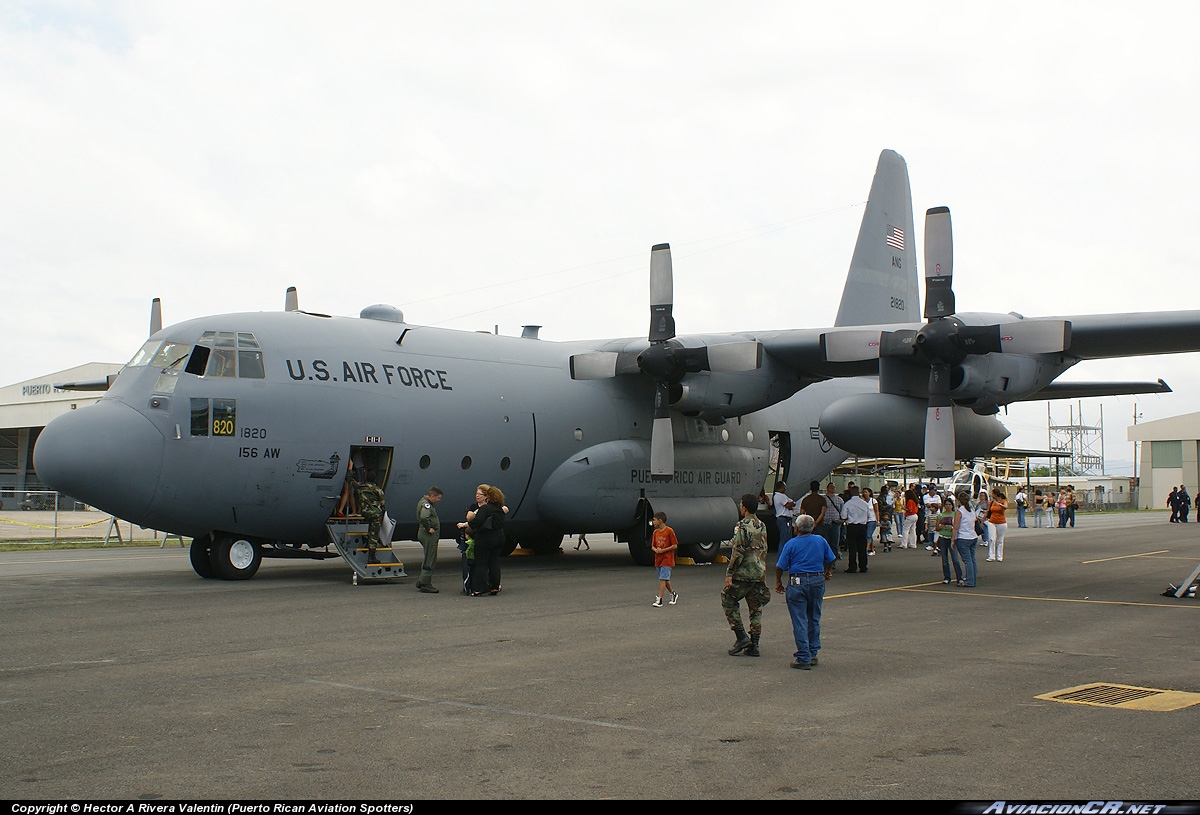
[(486, 525)]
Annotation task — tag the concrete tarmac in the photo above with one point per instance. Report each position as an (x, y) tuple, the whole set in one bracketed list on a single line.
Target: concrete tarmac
[(124, 675)]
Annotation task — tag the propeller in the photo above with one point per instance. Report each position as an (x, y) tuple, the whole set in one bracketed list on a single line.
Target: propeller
[(944, 341), (666, 361)]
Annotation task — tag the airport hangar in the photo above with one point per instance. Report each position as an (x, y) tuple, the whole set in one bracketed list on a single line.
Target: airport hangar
[(26, 408), (1170, 453)]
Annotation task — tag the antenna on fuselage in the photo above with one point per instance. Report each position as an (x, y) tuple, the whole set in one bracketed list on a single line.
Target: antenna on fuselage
[(291, 300), (155, 316)]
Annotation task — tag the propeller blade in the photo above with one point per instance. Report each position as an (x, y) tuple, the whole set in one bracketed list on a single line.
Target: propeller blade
[(662, 451), (662, 294), (939, 425), (662, 441), (1035, 336), (939, 264), (596, 365), (851, 345), (898, 343), (291, 299), (979, 339), (155, 316), (735, 356)]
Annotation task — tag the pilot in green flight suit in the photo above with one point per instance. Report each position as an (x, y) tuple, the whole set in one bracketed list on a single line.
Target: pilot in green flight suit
[(428, 532)]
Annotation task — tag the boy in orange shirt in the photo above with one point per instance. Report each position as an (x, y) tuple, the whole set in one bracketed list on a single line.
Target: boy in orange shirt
[(664, 545)]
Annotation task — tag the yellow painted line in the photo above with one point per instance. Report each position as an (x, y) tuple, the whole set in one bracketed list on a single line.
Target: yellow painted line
[(1125, 557), (973, 593), (865, 592)]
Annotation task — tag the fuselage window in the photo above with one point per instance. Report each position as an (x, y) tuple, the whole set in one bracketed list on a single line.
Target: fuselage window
[(224, 417), (166, 382), (199, 417)]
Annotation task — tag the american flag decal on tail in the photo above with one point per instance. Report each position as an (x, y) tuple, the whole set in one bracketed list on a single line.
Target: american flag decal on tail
[(895, 237)]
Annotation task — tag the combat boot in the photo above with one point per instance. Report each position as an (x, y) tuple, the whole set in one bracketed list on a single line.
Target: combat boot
[(752, 649), (743, 642)]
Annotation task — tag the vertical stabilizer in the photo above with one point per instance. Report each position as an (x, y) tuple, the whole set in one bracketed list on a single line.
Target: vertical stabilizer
[(882, 284)]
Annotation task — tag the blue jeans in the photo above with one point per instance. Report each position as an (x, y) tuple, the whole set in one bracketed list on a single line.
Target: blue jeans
[(832, 535), (946, 548), (966, 551), (785, 530), (1021, 517), (804, 606)]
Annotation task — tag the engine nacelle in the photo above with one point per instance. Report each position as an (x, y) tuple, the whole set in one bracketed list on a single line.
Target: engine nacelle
[(985, 382), (719, 396), (890, 426)]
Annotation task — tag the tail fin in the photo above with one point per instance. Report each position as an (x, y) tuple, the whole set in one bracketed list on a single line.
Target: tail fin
[(882, 284)]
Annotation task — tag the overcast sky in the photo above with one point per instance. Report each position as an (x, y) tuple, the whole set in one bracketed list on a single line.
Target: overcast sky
[(502, 163)]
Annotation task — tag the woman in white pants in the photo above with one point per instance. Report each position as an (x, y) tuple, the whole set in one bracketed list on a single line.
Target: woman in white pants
[(999, 524)]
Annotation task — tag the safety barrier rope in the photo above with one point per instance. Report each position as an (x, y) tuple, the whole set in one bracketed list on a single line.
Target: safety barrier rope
[(44, 526)]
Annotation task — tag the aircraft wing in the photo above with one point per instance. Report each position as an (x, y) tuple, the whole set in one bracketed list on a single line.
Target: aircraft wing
[(803, 350), (1086, 390), (1102, 336)]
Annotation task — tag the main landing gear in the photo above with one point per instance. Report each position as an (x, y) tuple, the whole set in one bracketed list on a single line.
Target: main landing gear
[(229, 557)]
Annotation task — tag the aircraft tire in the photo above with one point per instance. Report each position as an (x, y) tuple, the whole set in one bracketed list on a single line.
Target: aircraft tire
[(199, 554), (541, 544), (639, 550), (235, 557), (701, 552)]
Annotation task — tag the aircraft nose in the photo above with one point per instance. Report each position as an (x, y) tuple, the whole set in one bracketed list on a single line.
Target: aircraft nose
[(107, 455)]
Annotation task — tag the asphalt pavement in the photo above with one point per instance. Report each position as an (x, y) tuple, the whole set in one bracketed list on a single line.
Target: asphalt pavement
[(124, 675)]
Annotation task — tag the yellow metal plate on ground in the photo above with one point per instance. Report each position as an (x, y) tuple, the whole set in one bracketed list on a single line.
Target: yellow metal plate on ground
[(1127, 697)]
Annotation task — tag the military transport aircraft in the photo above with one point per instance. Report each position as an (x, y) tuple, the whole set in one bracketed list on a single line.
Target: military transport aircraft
[(237, 429)]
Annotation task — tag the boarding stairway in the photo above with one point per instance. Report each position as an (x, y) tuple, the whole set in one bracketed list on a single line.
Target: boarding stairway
[(349, 537)]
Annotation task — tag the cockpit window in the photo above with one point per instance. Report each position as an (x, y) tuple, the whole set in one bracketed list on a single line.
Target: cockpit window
[(145, 354), (171, 355), (228, 354)]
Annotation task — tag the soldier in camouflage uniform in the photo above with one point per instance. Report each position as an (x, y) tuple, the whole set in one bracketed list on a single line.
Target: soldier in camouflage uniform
[(744, 578), (371, 507), (429, 529)]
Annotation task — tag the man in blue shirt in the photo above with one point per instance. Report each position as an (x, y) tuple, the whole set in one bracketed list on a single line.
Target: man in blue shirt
[(807, 561)]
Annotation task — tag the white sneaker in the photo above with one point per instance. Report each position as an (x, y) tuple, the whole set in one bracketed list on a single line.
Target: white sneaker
[(990, 560), (657, 602), (674, 599)]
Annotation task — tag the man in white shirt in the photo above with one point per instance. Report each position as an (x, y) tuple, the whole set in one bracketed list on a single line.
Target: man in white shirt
[(855, 513), (1022, 501), (784, 509)]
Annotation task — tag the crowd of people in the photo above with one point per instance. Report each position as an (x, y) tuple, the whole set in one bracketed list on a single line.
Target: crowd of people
[(822, 528)]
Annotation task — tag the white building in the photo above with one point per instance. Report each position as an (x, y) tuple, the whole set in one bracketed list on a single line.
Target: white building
[(1169, 457)]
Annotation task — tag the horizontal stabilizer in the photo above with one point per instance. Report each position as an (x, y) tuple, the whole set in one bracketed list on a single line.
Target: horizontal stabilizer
[(87, 384)]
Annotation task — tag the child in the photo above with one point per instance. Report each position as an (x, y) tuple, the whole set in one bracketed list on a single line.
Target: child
[(945, 541), (664, 545)]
